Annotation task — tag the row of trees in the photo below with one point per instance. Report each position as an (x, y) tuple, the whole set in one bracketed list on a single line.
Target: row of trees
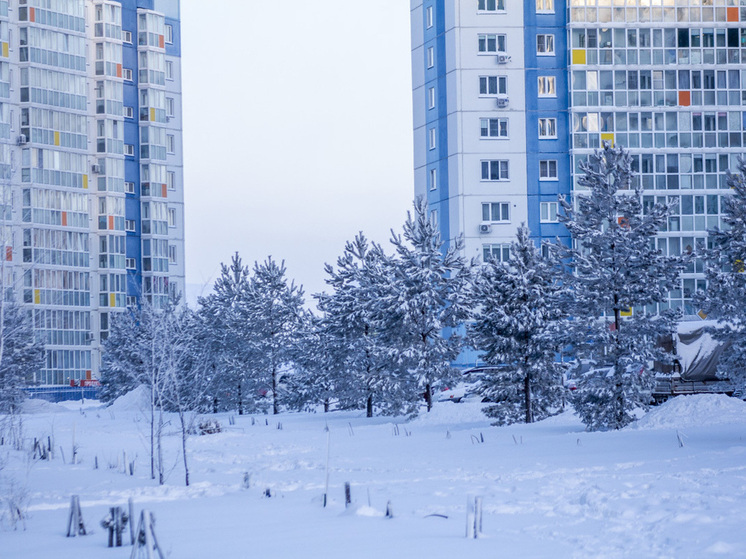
[(391, 324)]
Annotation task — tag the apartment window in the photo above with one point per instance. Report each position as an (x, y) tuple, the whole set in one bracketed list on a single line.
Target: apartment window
[(431, 98), (495, 170), (430, 57), (496, 212), (491, 42), (129, 112), (129, 225), (170, 143), (172, 217), (127, 37), (127, 74), (498, 253), (129, 149), (491, 5), (431, 138), (429, 16), (545, 6), (547, 86), (130, 263), (131, 301), (547, 128), (433, 179), (172, 254), (170, 106), (129, 187), (545, 45), (434, 218), (493, 127), (549, 212), (548, 169), (169, 34), (493, 85), (171, 180), (169, 69)]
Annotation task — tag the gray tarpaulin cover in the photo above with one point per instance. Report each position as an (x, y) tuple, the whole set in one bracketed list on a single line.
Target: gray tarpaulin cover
[(698, 353)]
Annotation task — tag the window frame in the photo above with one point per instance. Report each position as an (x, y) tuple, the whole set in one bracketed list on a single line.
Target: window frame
[(433, 179), (499, 81), (130, 226), (129, 150), (168, 34), (503, 248), (548, 218), (483, 38), (546, 87), (129, 112), (503, 208), (431, 139), (550, 42), (431, 98), (550, 124), (429, 17), (483, 6), (170, 144), (502, 166), (500, 121), (129, 187), (545, 173), (127, 74), (430, 57), (544, 6)]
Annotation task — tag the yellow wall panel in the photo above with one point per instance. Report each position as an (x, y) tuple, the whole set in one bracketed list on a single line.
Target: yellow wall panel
[(578, 56)]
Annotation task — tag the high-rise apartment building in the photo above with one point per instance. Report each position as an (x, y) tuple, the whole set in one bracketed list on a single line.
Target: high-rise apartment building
[(510, 97), (91, 169)]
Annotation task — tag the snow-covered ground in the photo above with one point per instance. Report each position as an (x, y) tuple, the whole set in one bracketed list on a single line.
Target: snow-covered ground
[(549, 489)]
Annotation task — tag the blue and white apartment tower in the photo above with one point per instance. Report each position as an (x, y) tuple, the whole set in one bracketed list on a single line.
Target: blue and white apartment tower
[(510, 96), (91, 171)]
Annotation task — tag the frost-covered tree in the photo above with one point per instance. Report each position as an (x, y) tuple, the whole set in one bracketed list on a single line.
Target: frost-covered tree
[(426, 299), (225, 319), (21, 355), (275, 313), (516, 325), (353, 326), (616, 271), (725, 298)]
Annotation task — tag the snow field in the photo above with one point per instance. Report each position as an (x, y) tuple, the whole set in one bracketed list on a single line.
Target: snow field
[(549, 489)]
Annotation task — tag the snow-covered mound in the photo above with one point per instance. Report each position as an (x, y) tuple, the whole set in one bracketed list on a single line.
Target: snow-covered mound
[(37, 405), (463, 415), (694, 411), (135, 400)]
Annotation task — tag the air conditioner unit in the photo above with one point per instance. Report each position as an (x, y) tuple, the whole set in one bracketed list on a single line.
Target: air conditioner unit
[(502, 102), (503, 58), (96, 169), (21, 140), (485, 228)]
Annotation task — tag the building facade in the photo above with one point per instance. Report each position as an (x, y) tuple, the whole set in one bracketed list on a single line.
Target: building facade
[(92, 172), (510, 97)]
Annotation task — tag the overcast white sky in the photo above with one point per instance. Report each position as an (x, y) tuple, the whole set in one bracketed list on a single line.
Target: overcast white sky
[(297, 130)]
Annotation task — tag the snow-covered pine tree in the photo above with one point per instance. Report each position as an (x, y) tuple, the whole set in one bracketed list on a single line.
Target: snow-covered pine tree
[(275, 313), (516, 325), (225, 319), (725, 298), (353, 328), (427, 292), (616, 270), (21, 355)]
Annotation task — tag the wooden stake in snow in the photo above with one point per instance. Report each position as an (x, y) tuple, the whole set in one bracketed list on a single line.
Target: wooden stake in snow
[(75, 526), (115, 523), (326, 486), (389, 510), (348, 494), (146, 540), (473, 517), (131, 507)]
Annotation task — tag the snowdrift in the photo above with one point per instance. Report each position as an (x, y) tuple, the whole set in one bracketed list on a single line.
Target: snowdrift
[(694, 411), (135, 400)]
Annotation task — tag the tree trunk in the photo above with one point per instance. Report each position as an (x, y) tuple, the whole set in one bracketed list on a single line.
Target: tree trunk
[(326, 405), (429, 396), (152, 434), (161, 477), (527, 397), (369, 406), (183, 446), (240, 399), (275, 407)]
